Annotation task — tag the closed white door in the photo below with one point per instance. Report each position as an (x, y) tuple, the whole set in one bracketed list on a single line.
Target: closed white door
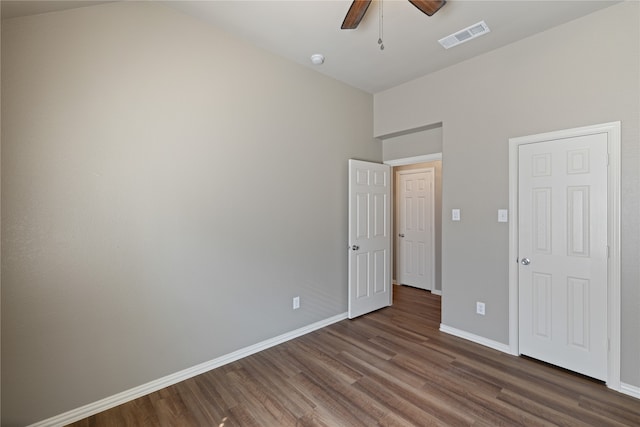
[(563, 253), (416, 228), (369, 237)]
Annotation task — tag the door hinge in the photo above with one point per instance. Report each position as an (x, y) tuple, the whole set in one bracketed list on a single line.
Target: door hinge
[(608, 251)]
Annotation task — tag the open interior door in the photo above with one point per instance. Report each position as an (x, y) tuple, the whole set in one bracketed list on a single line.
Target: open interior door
[(369, 237)]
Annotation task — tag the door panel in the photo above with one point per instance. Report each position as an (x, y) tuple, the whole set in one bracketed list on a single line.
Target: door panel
[(563, 236), (541, 305), (369, 237)]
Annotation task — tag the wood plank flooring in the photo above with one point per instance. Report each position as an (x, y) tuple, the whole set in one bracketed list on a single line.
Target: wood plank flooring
[(389, 368)]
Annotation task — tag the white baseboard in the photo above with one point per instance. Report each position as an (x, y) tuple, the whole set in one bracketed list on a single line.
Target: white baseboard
[(630, 390), (476, 339), (144, 389)]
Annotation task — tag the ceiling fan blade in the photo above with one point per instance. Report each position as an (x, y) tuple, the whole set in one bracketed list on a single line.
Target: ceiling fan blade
[(355, 14), (428, 7)]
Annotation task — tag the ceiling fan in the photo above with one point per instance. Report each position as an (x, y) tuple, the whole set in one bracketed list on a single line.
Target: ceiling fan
[(359, 7)]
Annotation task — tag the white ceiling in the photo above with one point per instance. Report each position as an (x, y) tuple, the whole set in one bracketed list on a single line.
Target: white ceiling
[(296, 29)]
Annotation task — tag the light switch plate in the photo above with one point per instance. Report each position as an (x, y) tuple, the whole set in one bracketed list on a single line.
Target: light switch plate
[(503, 215), (455, 214)]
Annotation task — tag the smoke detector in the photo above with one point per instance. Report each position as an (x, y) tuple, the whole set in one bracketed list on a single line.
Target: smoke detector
[(317, 59), (469, 33)]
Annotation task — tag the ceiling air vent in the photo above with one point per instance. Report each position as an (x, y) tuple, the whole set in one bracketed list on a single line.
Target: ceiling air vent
[(469, 33)]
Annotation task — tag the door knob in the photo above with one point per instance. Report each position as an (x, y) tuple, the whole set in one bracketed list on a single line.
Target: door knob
[(355, 247), (400, 235), (525, 261)]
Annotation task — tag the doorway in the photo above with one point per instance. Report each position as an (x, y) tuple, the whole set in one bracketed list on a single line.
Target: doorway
[(412, 164), (416, 228)]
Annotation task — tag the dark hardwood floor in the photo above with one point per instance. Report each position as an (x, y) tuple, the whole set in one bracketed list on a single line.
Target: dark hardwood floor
[(390, 368)]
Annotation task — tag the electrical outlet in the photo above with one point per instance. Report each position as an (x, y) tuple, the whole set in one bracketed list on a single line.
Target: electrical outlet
[(455, 214), (296, 303), (480, 308)]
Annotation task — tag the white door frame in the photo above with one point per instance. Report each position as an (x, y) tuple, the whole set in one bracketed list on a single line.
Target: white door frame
[(613, 237), (432, 225), (413, 160)]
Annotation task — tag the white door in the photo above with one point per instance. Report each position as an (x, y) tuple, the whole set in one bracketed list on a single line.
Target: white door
[(416, 228), (563, 252), (369, 237)]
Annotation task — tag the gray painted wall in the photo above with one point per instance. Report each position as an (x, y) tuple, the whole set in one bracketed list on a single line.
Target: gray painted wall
[(417, 143), (581, 73), (166, 191)]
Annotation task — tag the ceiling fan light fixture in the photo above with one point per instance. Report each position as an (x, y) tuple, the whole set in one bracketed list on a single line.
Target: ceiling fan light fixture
[(359, 7), (428, 7), (317, 59), (355, 14)]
